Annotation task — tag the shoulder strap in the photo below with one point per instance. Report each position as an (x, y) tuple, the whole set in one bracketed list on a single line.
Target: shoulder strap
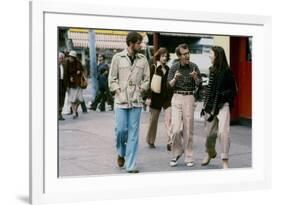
[(155, 68)]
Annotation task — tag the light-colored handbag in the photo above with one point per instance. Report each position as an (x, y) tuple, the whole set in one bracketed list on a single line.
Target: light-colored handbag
[(156, 82)]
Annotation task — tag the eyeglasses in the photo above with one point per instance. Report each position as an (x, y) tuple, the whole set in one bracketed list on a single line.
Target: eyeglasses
[(185, 54)]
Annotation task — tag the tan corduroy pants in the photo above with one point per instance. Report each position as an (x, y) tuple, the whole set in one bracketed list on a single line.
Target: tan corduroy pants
[(153, 122), (182, 126), (219, 127)]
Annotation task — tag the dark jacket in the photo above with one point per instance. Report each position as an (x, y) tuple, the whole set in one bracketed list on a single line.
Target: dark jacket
[(72, 68), (103, 71), (162, 99), (65, 74), (221, 90)]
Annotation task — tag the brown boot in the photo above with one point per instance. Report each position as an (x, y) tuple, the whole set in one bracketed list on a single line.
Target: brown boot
[(151, 145), (120, 161)]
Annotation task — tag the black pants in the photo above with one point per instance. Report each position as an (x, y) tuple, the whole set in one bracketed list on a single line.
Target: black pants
[(83, 106), (62, 90), (103, 96)]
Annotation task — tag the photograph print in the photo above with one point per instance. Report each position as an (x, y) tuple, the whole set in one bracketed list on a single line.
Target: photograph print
[(136, 102)]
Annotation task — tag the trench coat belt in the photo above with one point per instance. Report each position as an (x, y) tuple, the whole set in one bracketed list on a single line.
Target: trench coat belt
[(131, 83)]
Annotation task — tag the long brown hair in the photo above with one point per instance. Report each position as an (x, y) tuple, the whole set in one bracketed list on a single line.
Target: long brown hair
[(220, 61), (161, 51)]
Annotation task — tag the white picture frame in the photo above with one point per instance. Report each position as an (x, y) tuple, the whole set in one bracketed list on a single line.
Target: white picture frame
[(46, 187)]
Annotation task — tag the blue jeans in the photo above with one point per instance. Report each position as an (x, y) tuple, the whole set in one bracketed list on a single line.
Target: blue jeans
[(127, 123)]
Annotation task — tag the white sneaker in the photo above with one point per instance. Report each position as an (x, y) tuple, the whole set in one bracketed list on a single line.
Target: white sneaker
[(173, 163), (190, 164)]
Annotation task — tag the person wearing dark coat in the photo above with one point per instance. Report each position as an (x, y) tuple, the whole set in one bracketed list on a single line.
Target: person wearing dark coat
[(219, 98), (104, 92), (157, 101), (62, 85), (74, 74)]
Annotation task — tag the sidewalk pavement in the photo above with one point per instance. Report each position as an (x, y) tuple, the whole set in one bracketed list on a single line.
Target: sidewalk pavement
[(87, 146)]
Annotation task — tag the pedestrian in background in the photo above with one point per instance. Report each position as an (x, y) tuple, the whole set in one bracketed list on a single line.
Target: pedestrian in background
[(62, 76), (183, 78), (74, 72), (157, 101), (128, 78), (104, 92), (219, 98)]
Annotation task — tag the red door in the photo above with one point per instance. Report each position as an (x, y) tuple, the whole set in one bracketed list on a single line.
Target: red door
[(241, 66)]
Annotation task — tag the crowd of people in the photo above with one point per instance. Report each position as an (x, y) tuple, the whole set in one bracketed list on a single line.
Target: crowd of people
[(72, 74), (130, 78)]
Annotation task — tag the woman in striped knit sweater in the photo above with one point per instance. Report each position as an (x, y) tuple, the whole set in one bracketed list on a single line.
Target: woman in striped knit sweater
[(220, 94)]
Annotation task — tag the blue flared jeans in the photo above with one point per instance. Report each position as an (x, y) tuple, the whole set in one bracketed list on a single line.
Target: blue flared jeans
[(127, 122)]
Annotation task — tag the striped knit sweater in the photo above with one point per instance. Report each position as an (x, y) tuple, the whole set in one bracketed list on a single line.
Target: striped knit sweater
[(221, 89)]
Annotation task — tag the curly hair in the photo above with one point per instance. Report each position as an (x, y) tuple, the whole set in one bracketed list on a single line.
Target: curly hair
[(133, 37)]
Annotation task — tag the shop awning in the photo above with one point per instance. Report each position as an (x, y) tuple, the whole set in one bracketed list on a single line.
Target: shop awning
[(109, 39)]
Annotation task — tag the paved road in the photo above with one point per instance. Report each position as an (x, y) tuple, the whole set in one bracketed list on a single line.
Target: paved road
[(86, 146)]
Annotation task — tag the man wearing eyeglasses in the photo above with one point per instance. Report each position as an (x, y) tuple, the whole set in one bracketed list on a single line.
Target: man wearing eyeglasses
[(183, 77)]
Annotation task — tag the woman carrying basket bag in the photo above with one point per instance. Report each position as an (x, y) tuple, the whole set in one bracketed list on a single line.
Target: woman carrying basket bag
[(159, 96)]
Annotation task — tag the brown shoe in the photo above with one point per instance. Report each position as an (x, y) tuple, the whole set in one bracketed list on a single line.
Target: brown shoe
[(120, 161), (152, 146), (207, 159)]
